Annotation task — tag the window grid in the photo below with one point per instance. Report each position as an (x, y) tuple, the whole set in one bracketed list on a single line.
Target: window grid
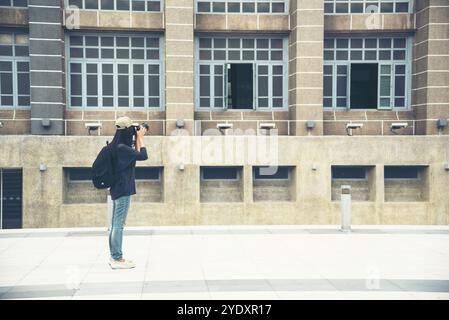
[(269, 60), (115, 72), (390, 53), (14, 3), (367, 6), (242, 6), (118, 5), (14, 71)]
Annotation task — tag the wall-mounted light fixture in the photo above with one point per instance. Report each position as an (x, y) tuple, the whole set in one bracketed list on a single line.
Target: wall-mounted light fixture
[(180, 124), (93, 126), (267, 125), (1, 124), (223, 126), (42, 167), (398, 125), (46, 123), (441, 124), (353, 126)]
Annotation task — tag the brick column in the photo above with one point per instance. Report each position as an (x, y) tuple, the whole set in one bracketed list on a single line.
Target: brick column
[(46, 66), (306, 64), (179, 63), (430, 80)]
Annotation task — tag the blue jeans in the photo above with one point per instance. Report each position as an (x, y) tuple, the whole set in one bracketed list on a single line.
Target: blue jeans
[(119, 214)]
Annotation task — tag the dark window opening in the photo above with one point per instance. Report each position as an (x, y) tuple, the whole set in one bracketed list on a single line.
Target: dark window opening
[(364, 78), (350, 173), (271, 173), (240, 86), (401, 172), (220, 173), (79, 174), (11, 198), (148, 173)]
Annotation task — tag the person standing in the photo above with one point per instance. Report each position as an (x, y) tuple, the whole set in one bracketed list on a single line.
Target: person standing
[(128, 147)]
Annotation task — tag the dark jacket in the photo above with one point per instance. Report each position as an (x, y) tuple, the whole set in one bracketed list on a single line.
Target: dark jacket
[(125, 163)]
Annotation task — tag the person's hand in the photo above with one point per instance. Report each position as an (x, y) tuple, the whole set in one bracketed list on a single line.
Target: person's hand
[(141, 132)]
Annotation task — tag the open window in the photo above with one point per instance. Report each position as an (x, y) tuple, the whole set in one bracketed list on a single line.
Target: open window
[(221, 184), (240, 86), (364, 77), (366, 73)]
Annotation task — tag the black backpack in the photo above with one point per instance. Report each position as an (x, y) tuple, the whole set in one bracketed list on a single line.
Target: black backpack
[(103, 168)]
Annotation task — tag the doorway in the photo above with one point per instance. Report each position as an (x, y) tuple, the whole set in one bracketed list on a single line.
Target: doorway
[(10, 198)]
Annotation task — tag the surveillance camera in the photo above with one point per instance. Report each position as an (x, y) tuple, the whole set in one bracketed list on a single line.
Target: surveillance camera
[(93, 126), (222, 126), (354, 125), (310, 125), (267, 126), (398, 125), (180, 124), (441, 123)]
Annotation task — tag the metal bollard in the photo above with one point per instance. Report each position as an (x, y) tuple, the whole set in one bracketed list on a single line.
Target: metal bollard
[(109, 213), (345, 208)]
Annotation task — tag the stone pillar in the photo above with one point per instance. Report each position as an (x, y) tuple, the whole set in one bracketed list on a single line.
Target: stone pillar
[(306, 65), (47, 76), (430, 80), (179, 63)]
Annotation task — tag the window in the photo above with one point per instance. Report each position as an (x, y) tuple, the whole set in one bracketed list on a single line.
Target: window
[(366, 6), (271, 173), (242, 6), (219, 173), (348, 173), (115, 71), (14, 3), (241, 73), (402, 172), (11, 186), (366, 73), (122, 5), (14, 70), (79, 174), (148, 173)]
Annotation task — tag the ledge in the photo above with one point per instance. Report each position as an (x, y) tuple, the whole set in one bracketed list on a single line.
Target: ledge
[(242, 22), (117, 20), (14, 17), (400, 22)]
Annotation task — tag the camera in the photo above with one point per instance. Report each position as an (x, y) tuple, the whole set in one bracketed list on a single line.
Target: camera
[(142, 125)]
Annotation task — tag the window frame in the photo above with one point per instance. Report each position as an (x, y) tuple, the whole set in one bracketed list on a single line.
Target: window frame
[(411, 6), (69, 179), (286, 7), (419, 169), (14, 6), (115, 62), (159, 170), (237, 168), (14, 61), (67, 4), (350, 166), (256, 63), (407, 62)]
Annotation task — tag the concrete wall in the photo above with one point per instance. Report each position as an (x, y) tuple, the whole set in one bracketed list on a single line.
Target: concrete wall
[(312, 156)]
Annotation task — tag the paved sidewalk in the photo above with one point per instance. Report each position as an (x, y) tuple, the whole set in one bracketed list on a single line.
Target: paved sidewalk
[(229, 262)]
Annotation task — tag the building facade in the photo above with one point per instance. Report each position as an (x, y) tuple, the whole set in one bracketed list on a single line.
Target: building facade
[(259, 110)]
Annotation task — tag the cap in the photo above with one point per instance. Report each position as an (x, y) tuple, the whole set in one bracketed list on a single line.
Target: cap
[(123, 123)]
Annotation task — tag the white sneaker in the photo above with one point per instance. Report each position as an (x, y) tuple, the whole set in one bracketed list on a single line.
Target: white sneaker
[(123, 264)]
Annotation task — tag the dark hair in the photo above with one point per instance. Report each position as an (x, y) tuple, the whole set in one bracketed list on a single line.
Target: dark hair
[(123, 136)]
